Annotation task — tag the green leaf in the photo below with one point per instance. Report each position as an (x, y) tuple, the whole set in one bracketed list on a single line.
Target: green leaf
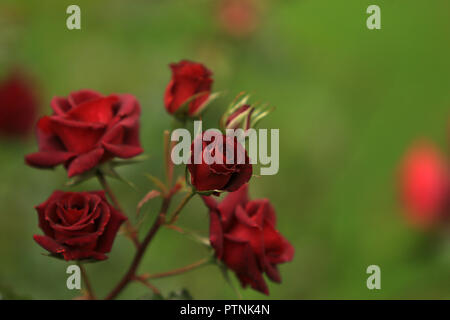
[(149, 196), (81, 178), (109, 171), (183, 111), (206, 104), (158, 183), (123, 162)]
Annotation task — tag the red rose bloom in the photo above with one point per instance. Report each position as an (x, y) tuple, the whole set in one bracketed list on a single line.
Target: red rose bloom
[(18, 105), (425, 185), (245, 239), (219, 176), (188, 79), (87, 129), (78, 225)]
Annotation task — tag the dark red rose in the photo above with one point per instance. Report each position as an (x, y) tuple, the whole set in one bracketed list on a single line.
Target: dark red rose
[(219, 176), (78, 225), (244, 236), (424, 184), (188, 79), (18, 105), (87, 129)]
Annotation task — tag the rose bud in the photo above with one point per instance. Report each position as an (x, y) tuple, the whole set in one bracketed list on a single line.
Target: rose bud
[(424, 184), (18, 105), (189, 88), (240, 117), (87, 129), (78, 225), (221, 164), (244, 236)]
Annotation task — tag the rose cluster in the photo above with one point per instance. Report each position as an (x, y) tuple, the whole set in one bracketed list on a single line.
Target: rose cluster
[(87, 130)]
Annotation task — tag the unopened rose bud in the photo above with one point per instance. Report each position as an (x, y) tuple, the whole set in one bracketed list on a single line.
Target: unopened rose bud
[(240, 118)]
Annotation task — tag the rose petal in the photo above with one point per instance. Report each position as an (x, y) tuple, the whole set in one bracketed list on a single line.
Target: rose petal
[(107, 239), (49, 244), (85, 162), (78, 97)]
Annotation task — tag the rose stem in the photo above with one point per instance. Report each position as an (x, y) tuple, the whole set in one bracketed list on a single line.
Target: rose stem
[(132, 233), (90, 291), (131, 273), (167, 158), (180, 207), (148, 285), (174, 272)]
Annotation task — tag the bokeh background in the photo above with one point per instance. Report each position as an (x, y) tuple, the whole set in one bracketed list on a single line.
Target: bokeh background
[(349, 102)]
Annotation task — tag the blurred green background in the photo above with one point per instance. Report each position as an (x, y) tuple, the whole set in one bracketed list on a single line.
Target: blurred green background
[(349, 102)]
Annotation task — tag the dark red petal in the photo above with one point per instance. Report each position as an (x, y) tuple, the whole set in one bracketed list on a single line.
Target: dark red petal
[(262, 204), (81, 240), (168, 97), (216, 233), (49, 244), (97, 110), (239, 178), (231, 201), (107, 239), (272, 272), (123, 151), (79, 137), (247, 230), (128, 106), (78, 254), (182, 90), (210, 202), (60, 105), (204, 179), (85, 162), (239, 257), (48, 159), (78, 97), (278, 249)]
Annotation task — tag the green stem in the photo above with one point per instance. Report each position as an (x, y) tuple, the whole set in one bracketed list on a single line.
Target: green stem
[(180, 207), (87, 283), (131, 232)]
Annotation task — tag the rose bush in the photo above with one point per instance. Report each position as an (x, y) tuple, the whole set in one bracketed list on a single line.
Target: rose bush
[(244, 236), (87, 129), (78, 225)]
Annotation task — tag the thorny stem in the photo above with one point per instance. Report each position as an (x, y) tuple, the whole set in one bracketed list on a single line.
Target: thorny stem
[(131, 273), (181, 270), (91, 295), (131, 231)]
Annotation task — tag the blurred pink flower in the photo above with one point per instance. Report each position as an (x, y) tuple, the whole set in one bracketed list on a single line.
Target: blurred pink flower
[(424, 184), (239, 18)]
